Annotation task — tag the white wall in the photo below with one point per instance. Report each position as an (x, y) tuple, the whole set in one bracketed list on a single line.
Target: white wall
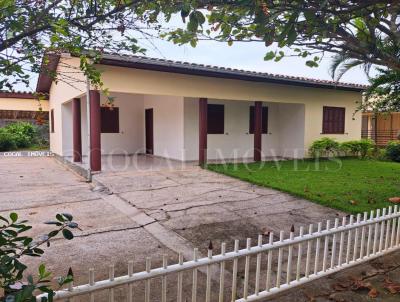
[(130, 138), (237, 142), (168, 125), (291, 130), (66, 113)]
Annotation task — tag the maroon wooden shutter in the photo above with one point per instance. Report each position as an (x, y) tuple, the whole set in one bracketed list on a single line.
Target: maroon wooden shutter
[(109, 120), (215, 119), (333, 120), (264, 121)]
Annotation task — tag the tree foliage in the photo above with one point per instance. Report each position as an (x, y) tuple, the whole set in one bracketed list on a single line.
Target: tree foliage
[(15, 246)]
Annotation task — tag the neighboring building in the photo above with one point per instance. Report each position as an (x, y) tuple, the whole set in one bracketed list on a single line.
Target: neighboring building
[(192, 112), (22, 106), (382, 127)]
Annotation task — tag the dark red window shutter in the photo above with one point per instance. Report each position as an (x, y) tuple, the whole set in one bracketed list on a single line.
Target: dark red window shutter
[(52, 120), (333, 120), (264, 120), (215, 119), (109, 120)]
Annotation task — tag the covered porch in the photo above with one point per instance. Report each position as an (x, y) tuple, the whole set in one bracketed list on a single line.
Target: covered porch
[(142, 131)]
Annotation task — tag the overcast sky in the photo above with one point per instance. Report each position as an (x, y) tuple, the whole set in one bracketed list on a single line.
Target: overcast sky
[(245, 55)]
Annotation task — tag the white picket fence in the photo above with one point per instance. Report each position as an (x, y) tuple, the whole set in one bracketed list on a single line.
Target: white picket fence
[(255, 272)]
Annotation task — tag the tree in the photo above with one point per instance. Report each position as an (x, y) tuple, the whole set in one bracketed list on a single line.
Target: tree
[(14, 246)]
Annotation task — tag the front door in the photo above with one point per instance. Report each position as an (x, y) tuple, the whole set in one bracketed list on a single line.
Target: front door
[(149, 131)]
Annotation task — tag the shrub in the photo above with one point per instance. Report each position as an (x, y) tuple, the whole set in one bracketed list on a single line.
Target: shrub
[(24, 133), (358, 147), (393, 151), (324, 147), (7, 141), (18, 135)]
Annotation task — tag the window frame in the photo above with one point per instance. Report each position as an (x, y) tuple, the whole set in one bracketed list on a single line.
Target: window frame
[(215, 124), (329, 124), (105, 121)]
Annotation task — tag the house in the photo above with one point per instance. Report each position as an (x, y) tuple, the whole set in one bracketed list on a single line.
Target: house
[(22, 106), (381, 127), (192, 112)]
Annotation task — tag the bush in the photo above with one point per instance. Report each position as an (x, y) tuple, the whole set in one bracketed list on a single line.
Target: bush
[(324, 147), (393, 151), (18, 135), (7, 141), (358, 147), (24, 133)]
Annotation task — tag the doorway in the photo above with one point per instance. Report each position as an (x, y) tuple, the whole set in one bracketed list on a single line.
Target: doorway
[(149, 131)]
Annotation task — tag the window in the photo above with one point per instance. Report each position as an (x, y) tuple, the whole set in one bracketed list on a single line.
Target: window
[(52, 121), (264, 120), (109, 120), (333, 120), (215, 119)]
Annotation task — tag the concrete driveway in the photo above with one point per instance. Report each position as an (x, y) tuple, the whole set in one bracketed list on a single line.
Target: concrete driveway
[(132, 215)]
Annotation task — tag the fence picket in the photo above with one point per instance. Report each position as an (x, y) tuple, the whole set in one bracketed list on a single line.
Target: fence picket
[(208, 281), (341, 242), (382, 234), (269, 263), (326, 243), (393, 228), (164, 280), (299, 254), (333, 256), (363, 236), (376, 233), (194, 285), (222, 274), (388, 230), (349, 241), (258, 267), (308, 257), (371, 218), (111, 275), (279, 272), (91, 283), (130, 285), (355, 248), (234, 273), (147, 286), (317, 248)]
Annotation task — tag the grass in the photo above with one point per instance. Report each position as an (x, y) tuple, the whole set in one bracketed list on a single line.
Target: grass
[(34, 148), (349, 184)]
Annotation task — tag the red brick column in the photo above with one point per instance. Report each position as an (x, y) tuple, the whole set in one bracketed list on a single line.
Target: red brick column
[(95, 131), (76, 130), (202, 131)]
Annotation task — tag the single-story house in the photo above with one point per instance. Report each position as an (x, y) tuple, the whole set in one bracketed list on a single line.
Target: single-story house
[(193, 112), (22, 106)]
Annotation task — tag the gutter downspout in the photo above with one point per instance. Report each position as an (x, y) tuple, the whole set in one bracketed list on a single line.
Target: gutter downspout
[(89, 171)]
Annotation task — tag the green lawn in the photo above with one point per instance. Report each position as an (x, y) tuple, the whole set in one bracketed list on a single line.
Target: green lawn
[(351, 185)]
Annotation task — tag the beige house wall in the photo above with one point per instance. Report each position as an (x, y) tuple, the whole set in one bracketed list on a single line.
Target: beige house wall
[(23, 104), (163, 83), (179, 86)]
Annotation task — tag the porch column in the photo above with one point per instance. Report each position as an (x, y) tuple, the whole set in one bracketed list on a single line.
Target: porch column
[(95, 131), (257, 130), (202, 131), (76, 130)]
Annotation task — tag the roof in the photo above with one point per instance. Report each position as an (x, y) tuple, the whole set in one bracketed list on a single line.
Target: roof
[(17, 95), (141, 62), (154, 64)]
